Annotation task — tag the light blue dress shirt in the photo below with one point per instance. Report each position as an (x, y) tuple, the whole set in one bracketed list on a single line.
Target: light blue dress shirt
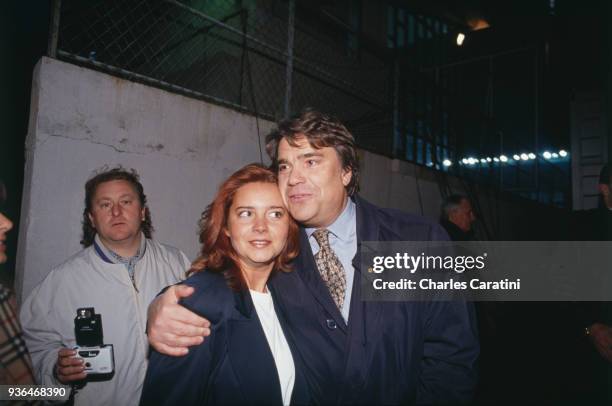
[(343, 241)]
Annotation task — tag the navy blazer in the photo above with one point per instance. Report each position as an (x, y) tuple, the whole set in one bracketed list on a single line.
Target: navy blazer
[(233, 366), (390, 352)]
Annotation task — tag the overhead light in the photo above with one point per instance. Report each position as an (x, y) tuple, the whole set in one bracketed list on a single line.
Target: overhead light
[(532, 155), (489, 159), (547, 155), (496, 159), (503, 158), (483, 161), (465, 161), (563, 153), (447, 162), (555, 155), (516, 157), (524, 156), (460, 38)]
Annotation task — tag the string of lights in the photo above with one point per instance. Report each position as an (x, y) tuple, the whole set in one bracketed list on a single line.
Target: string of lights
[(561, 155)]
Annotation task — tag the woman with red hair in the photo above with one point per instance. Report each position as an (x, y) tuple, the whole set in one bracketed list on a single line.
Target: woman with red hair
[(247, 235)]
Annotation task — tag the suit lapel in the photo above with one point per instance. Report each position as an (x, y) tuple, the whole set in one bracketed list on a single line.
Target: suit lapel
[(368, 229), (307, 268), (245, 335), (365, 317), (301, 394)]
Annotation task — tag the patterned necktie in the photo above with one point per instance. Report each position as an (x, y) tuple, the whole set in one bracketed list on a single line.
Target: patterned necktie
[(330, 267)]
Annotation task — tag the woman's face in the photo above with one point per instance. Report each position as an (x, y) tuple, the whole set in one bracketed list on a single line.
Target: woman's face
[(5, 226), (257, 225)]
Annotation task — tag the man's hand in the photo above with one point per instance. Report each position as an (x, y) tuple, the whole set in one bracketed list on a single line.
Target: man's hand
[(601, 337), (68, 368), (171, 327)]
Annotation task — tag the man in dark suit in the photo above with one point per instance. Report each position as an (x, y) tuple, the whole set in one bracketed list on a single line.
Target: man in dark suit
[(596, 225), (593, 359), (355, 352)]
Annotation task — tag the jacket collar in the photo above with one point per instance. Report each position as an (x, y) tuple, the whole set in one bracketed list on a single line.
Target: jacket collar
[(245, 327), (111, 257), (244, 303), (368, 225), (364, 314)]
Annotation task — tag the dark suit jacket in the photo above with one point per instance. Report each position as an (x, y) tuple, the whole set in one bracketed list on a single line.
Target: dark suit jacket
[(593, 225), (455, 233), (390, 352), (234, 365)]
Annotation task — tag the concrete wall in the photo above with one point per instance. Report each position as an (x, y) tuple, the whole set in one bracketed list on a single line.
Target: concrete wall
[(183, 148), (416, 189), (81, 120)]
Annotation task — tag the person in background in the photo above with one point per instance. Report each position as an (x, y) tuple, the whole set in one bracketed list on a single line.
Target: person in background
[(118, 273), (15, 364), (457, 217), (594, 319)]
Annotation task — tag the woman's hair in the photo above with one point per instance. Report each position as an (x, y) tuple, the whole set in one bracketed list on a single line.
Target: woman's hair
[(217, 253)]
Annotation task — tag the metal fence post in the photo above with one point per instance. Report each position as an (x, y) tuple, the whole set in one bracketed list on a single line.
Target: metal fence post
[(54, 28), (289, 75)]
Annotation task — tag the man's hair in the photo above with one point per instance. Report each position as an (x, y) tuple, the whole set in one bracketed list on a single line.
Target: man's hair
[(604, 179), (449, 204), (107, 175), (217, 253), (320, 130)]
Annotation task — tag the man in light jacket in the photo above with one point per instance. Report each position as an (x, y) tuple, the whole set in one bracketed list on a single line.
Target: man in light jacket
[(118, 273)]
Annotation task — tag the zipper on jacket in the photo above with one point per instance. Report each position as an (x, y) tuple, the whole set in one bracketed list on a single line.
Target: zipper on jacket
[(134, 281), (143, 327)]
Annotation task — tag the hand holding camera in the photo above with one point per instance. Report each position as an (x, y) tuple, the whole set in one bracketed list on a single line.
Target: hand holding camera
[(91, 356), (68, 368)]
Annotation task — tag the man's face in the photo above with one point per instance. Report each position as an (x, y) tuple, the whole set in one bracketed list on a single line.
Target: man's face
[(463, 216), (312, 182), (5, 227), (605, 191), (116, 213)]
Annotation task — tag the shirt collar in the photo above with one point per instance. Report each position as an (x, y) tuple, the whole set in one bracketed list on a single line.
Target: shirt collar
[(112, 257), (344, 226)]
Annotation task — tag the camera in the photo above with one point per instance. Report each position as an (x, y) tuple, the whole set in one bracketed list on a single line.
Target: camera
[(98, 357)]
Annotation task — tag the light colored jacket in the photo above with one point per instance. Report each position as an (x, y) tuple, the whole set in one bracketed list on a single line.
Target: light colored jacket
[(85, 280)]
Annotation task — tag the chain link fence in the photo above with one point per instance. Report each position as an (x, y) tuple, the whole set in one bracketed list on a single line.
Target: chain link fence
[(233, 53), (272, 58)]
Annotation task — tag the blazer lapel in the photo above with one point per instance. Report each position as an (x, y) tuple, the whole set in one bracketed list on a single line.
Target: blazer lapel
[(246, 339), (368, 229), (365, 317), (307, 269), (300, 394)]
